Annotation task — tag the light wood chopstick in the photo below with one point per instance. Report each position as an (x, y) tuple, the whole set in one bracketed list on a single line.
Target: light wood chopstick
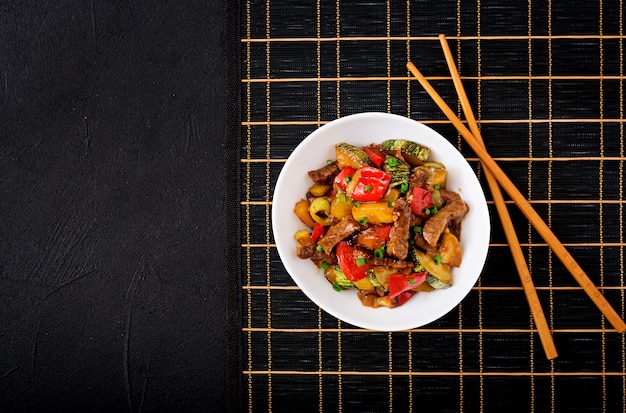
[(542, 228), (509, 230)]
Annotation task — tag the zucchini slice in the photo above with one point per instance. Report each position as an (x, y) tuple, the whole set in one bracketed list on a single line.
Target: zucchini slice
[(414, 153), (436, 283), (364, 284), (371, 275), (399, 170), (349, 155), (417, 265), (439, 275), (342, 280)]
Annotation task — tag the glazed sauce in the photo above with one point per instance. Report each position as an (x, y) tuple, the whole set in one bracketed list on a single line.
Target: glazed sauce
[(369, 298)]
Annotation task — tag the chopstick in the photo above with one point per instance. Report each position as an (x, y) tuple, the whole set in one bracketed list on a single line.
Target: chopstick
[(542, 228), (516, 250)]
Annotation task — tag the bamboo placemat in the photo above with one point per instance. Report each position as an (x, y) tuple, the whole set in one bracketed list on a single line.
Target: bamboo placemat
[(547, 83)]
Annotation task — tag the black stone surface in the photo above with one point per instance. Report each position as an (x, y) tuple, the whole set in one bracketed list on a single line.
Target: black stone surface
[(112, 182)]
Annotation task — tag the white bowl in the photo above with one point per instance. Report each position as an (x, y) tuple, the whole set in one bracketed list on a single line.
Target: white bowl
[(361, 130)]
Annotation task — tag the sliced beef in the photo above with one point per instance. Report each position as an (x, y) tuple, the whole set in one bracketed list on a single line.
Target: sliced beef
[(325, 175), (390, 262), (455, 228), (434, 227), (421, 244), (310, 252), (340, 231), (419, 178), (416, 221), (305, 251), (320, 257), (398, 245), (448, 196)]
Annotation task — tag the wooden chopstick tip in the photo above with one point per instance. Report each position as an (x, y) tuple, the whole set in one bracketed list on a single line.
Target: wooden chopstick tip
[(416, 73)]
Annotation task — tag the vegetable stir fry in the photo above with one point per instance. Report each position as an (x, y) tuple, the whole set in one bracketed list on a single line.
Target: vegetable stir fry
[(382, 221)]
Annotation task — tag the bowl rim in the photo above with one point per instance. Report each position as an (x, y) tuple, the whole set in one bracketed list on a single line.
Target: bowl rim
[(286, 245)]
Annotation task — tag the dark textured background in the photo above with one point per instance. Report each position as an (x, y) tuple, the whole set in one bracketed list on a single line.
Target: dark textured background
[(111, 199)]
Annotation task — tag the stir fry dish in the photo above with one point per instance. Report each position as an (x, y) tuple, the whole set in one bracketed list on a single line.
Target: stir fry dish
[(380, 220)]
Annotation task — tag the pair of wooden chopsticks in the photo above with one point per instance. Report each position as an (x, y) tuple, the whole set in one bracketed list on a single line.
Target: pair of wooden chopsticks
[(495, 176)]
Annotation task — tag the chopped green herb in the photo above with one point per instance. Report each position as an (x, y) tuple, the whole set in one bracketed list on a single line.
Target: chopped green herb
[(426, 211), (437, 259), (367, 188), (319, 248), (411, 242), (411, 281), (337, 287), (434, 210), (348, 179), (361, 261), (324, 265), (357, 204), (404, 187), (363, 221), (380, 252), (391, 161), (389, 203), (329, 162), (436, 186), (417, 229)]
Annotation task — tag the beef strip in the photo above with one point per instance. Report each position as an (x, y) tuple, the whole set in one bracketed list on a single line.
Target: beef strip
[(416, 221), (434, 227), (310, 252), (398, 245), (325, 175), (455, 228), (305, 251), (419, 178), (320, 257), (448, 196), (421, 244), (335, 233), (390, 262)]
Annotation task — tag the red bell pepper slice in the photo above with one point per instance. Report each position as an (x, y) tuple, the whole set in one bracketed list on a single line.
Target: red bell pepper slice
[(383, 231), (399, 283), (347, 257), (318, 231), (422, 200), (376, 155), (346, 172), (403, 297), (372, 185)]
